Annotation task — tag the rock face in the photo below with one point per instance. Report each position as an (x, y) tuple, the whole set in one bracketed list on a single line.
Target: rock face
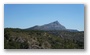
[(51, 26)]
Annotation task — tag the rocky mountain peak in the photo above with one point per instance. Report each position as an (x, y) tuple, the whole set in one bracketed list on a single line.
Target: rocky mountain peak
[(56, 22), (51, 26)]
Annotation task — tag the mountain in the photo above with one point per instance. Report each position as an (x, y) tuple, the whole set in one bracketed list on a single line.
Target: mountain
[(51, 26), (54, 36)]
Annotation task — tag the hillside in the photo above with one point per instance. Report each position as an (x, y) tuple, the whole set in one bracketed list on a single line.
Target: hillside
[(38, 39)]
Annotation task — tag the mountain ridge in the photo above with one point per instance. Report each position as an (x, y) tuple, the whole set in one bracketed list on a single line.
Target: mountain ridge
[(51, 26)]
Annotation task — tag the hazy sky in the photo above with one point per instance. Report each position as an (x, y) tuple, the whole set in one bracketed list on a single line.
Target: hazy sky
[(27, 15)]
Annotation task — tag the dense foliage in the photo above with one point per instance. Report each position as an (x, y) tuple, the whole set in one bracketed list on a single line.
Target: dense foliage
[(36, 39)]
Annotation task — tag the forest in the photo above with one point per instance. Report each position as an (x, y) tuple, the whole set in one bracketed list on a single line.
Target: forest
[(15, 38)]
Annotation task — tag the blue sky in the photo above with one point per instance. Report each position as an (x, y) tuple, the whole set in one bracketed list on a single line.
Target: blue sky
[(27, 15)]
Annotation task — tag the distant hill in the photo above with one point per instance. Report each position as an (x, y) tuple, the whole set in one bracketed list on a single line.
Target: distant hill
[(51, 26)]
